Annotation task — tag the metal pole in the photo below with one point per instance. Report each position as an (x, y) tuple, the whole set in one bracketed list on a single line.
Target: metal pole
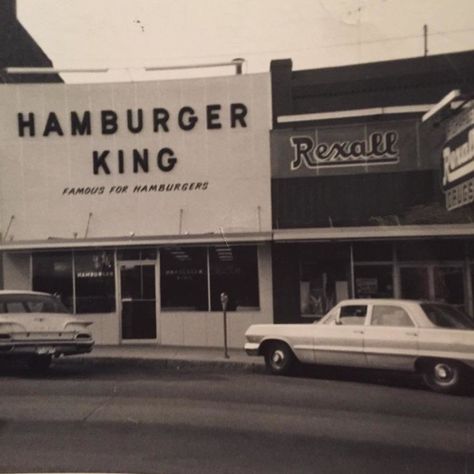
[(468, 280), (87, 226), (224, 301), (351, 256), (8, 226), (425, 39), (180, 221), (226, 354)]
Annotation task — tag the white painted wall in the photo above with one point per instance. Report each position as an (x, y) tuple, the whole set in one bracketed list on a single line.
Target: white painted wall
[(48, 181), (16, 271), (105, 327)]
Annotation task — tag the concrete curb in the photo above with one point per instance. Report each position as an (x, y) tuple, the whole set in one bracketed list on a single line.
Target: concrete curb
[(160, 363)]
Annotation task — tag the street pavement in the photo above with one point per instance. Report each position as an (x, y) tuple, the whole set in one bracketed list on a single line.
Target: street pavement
[(111, 414)]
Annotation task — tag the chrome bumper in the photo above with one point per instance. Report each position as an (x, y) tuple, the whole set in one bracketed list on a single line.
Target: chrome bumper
[(252, 348), (52, 347)]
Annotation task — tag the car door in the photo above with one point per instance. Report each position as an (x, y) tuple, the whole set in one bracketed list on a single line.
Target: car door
[(340, 340), (391, 338)]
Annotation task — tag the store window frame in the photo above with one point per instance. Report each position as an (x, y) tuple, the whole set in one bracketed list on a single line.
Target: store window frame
[(430, 267), (316, 260), (190, 265), (71, 254), (385, 264), (99, 263), (465, 264), (210, 309)]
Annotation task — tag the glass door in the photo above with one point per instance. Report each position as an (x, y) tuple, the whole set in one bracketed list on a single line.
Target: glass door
[(138, 295)]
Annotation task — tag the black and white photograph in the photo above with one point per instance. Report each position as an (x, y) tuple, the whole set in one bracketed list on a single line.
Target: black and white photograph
[(236, 236)]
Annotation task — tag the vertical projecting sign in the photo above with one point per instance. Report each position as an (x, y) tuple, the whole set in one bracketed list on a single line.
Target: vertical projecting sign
[(458, 159)]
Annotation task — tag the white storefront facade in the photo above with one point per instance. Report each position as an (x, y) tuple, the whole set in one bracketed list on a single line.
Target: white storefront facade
[(140, 203)]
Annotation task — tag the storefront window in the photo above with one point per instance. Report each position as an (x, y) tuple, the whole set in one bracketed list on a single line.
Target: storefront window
[(322, 285), (234, 270), (373, 281), (415, 283), (184, 279), (52, 273), (449, 284), (443, 283), (95, 282)]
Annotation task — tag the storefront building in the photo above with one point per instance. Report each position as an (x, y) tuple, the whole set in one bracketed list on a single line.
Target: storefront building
[(368, 201), (140, 203)]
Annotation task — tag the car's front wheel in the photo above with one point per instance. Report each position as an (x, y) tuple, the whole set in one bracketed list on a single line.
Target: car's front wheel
[(40, 363), (279, 358), (444, 376)]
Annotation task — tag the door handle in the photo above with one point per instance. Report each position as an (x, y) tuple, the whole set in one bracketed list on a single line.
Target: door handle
[(358, 332), (411, 333)]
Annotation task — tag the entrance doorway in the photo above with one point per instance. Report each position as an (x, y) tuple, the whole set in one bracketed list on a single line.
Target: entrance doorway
[(433, 282), (138, 297)]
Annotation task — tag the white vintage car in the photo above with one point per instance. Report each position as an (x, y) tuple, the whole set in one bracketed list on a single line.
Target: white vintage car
[(434, 339), (37, 326)]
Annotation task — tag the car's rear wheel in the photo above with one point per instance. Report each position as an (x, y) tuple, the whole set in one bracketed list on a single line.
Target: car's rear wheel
[(279, 358), (40, 363), (444, 376)]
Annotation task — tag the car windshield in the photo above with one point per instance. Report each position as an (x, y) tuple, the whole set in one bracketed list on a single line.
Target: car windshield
[(446, 316), (24, 303)]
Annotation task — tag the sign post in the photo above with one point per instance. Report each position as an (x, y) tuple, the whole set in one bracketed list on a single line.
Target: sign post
[(224, 301)]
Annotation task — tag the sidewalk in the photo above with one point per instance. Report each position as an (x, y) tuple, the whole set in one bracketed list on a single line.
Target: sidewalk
[(175, 356)]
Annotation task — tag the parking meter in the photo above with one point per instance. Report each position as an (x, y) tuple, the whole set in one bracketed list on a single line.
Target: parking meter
[(224, 302)]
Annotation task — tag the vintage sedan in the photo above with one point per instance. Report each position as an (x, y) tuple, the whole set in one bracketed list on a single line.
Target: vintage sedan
[(38, 327), (434, 339)]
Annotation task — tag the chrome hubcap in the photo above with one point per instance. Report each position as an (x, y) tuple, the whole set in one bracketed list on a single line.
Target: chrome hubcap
[(443, 372), (278, 357)]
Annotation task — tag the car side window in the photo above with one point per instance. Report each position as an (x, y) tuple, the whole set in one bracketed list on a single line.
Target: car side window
[(353, 315), (392, 316), (36, 306), (15, 307)]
